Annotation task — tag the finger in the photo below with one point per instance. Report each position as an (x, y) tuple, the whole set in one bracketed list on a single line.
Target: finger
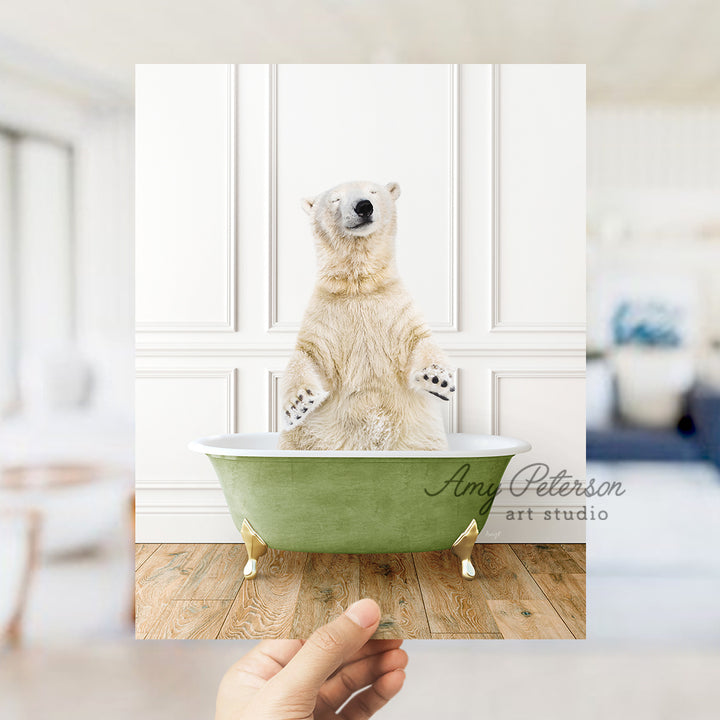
[(265, 660), (245, 677), (277, 652), (328, 648), (355, 676), (374, 647), (370, 700)]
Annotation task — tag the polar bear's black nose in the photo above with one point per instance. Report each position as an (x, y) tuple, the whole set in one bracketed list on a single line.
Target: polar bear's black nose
[(364, 209)]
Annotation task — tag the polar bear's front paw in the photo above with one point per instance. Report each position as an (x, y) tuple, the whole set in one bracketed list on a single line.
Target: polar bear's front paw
[(436, 380), (303, 403)]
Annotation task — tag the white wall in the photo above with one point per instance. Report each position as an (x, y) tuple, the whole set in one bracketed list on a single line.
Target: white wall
[(491, 241)]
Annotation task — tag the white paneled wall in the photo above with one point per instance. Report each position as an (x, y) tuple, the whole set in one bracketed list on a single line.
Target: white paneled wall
[(539, 284), (491, 161), (408, 129), (184, 198)]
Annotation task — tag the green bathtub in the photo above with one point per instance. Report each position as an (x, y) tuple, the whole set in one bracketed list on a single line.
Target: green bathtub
[(359, 502)]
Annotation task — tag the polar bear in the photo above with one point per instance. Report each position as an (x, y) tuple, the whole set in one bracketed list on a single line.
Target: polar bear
[(365, 373)]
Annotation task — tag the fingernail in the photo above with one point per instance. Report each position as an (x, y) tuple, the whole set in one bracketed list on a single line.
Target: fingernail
[(364, 612)]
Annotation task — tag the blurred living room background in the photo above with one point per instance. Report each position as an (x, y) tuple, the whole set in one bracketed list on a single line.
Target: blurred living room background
[(66, 356), (653, 365), (66, 398)]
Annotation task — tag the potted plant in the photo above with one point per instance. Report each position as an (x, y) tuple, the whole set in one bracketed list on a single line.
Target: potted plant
[(654, 366)]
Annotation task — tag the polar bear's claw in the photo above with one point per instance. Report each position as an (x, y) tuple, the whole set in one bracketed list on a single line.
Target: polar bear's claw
[(297, 411), (436, 380)]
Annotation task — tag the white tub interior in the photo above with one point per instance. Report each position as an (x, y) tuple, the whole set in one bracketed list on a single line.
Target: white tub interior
[(265, 445)]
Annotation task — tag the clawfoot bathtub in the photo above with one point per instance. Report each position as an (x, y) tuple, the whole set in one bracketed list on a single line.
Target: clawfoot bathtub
[(359, 502)]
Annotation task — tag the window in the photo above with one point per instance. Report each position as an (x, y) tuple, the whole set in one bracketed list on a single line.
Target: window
[(37, 267)]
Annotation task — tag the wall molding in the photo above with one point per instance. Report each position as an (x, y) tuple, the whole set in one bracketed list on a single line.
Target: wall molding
[(477, 350), (452, 323), (454, 414), (275, 325), (497, 375), (145, 350), (273, 379), (166, 508), (229, 324), (227, 374), (497, 324), (259, 350), (501, 326), (178, 485)]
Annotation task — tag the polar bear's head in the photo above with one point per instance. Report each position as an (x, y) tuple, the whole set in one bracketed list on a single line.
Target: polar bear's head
[(354, 210)]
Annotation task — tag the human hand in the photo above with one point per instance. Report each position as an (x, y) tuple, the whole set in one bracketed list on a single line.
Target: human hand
[(311, 680)]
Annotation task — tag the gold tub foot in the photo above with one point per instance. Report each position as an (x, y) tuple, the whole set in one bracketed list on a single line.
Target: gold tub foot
[(255, 547), (463, 546)]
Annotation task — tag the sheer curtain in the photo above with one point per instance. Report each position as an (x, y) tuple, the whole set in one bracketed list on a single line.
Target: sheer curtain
[(8, 334), (37, 266)]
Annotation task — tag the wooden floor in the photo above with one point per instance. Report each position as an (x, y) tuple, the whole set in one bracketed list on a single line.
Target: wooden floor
[(520, 591)]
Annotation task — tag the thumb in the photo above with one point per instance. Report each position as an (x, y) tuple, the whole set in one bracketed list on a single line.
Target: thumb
[(328, 648)]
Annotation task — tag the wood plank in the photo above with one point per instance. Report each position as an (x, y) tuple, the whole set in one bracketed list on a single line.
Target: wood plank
[(330, 584), (502, 575), (453, 604), (566, 592), (143, 551), (505, 578), (219, 576), (526, 619), (467, 636), (421, 595), (391, 580), (545, 558), (190, 620), (577, 552), (264, 606), (159, 578)]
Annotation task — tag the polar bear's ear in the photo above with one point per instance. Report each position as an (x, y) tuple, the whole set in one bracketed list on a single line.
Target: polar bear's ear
[(394, 190), (308, 204)]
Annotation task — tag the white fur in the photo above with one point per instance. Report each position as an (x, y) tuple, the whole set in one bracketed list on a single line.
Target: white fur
[(364, 355)]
